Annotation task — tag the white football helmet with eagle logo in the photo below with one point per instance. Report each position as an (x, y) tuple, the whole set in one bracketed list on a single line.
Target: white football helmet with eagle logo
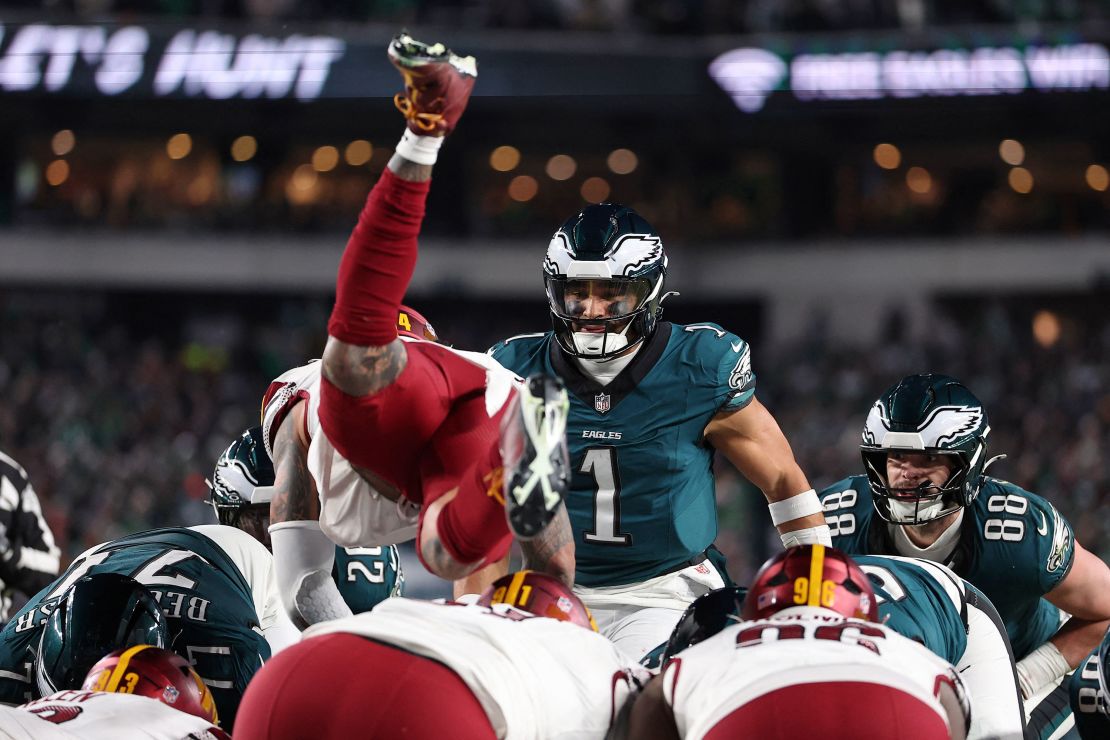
[(933, 414), (604, 273)]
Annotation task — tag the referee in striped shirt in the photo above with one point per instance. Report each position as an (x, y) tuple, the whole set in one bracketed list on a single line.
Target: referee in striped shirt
[(29, 559)]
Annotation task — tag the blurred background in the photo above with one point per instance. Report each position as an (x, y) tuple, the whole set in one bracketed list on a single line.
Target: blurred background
[(861, 190)]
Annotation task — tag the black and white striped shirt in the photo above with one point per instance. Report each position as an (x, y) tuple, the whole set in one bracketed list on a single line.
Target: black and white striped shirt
[(29, 559)]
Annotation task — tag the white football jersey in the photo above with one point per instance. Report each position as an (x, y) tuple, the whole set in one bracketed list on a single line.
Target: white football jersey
[(97, 715), (707, 681), (535, 677), (352, 513)]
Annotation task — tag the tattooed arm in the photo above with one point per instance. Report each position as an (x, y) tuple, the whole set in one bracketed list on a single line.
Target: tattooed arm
[(552, 550), (303, 555), (357, 370), (295, 496)]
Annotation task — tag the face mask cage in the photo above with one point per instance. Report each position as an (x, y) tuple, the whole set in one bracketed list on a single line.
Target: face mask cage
[(599, 318), (924, 503)]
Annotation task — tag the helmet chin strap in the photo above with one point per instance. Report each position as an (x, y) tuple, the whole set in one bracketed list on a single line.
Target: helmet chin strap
[(911, 511), (595, 342)]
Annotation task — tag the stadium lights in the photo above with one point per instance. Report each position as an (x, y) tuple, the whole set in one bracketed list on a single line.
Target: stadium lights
[(561, 167), (63, 142), (1021, 180), (244, 148), (358, 152), (594, 190), (1098, 178), (622, 161), (523, 188), (1011, 152), (325, 159), (57, 172), (887, 156), (1046, 328), (504, 158), (179, 146), (919, 180)]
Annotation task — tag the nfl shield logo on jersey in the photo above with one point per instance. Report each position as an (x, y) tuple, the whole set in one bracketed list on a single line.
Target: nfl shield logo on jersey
[(601, 402)]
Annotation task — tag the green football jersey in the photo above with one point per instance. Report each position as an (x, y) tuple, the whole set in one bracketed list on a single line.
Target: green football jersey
[(920, 601), (642, 499), (1089, 705), (367, 575), (1014, 547), (208, 606)]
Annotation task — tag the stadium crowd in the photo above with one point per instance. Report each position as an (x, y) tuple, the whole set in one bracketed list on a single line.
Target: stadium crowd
[(118, 414)]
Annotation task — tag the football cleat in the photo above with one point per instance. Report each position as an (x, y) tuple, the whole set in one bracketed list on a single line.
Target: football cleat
[(534, 455), (438, 83)]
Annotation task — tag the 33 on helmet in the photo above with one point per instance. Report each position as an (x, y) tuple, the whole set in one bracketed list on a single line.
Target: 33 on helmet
[(604, 273), (933, 415), (145, 670), (811, 575), (539, 594), (99, 613)]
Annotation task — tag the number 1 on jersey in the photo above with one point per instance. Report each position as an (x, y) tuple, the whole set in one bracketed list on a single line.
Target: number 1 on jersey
[(601, 463)]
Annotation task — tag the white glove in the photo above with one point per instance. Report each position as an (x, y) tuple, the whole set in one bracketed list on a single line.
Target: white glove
[(303, 561)]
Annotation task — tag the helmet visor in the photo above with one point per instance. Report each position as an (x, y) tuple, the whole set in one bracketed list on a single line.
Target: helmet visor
[(593, 301)]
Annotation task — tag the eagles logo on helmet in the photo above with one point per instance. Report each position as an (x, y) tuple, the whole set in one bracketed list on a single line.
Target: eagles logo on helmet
[(604, 273), (811, 575), (933, 414), (157, 673), (539, 594)]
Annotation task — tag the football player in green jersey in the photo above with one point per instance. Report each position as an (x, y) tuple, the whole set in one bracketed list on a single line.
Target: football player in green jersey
[(215, 589), (241, 489), (927, 602), (925, 494), (1090, 699), (649, 403)]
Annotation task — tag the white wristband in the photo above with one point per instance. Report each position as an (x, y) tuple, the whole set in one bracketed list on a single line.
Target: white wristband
[(1041, 667), (810, 536), (795, 507), (419, 149)]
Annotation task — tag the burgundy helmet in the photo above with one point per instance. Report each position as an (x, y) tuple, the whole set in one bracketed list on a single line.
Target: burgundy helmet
[(811, 575), (411, 323), (157, 673), (539, 594)]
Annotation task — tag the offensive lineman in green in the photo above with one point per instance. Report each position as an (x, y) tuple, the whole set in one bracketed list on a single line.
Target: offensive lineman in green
[(240, 492), (924, 453), (649, 403), (927, 602), (214, 585)]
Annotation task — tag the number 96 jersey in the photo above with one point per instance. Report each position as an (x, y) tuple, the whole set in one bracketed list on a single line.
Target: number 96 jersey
[(748, 660), (642, 500), (1014, 547), (215, 618)]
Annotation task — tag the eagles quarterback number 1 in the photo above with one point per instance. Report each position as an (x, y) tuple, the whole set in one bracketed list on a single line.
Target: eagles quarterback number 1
[(601, 462)]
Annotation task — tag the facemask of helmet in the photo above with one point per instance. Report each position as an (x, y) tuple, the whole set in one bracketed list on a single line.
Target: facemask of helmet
[(933, 415), (604, 274), (98, 614)]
